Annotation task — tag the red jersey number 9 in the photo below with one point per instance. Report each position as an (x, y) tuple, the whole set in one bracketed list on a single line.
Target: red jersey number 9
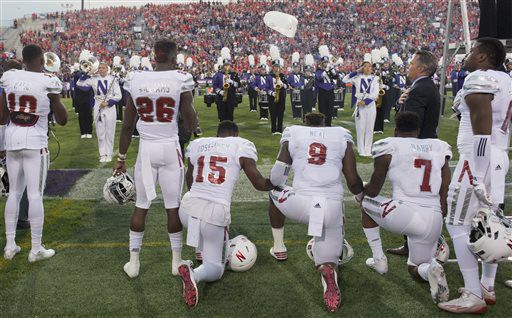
[(317, 154), (164, 109)]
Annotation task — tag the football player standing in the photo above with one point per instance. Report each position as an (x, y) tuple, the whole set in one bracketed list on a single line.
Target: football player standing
[(479, 178), (157, 97), (318, 155), (28, 97), (420, 174), (214, 166)]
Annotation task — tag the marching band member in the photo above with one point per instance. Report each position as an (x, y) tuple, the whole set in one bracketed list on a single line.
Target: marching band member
[(251, 85), (225, 83), (276, 89), (296, 81), (365, 91), (324, 84), (260, 83), (308, 93), (106, 94)]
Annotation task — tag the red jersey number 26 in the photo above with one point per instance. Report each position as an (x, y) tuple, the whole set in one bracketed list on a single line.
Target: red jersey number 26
[(162, 110)]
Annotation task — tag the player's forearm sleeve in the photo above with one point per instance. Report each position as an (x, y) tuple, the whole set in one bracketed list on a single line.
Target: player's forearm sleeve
[(482, 156), (279, 173)]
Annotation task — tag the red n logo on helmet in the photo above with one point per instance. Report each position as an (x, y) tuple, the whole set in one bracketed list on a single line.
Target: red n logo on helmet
[(240, 256)]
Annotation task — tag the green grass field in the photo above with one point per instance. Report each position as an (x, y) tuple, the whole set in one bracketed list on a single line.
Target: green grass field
[(85, 278)]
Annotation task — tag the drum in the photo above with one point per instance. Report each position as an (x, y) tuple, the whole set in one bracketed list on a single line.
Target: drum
[(209, 99), (263, 100), (296, 96), (239, 98)]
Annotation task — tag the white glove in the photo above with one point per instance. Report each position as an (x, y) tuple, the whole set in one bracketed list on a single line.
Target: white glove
[(229, 81), (481, 194), (221, 93)]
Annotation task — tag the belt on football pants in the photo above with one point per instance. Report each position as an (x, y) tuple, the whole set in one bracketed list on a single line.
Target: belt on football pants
[(146, 171)]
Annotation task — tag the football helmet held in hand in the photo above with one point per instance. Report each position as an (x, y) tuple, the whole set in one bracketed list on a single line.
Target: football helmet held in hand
[(119, 189)]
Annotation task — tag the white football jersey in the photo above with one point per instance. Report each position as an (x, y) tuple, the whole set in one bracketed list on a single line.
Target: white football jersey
[(317, 159), (416, 166), (28, 92), (217, 166), (489, 82), (156, 95), (102, 89)]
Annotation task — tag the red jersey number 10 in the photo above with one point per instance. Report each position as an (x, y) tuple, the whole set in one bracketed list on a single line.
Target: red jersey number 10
[(25, 101)]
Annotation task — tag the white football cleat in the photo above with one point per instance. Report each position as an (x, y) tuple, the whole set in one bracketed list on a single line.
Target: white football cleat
[(108, 158), (438, 284), (41, 255), (280, 256), (175, 266), (132, 267), (332, 297), (190, 293), (467, 303), (9, 254), (489, 295), (508, 283), (379, 265)]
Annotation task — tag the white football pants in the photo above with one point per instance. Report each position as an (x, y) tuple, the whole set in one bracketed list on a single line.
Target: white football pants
[(212, 239), (105, 121), (26, 168), (365, 122)]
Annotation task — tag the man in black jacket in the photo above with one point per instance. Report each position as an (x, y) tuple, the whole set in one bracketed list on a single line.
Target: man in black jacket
[(423, 99), (423, 96)]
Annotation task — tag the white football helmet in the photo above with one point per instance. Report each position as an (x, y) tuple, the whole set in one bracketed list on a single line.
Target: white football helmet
[(119, 189), (346, 254), (491, 236), (4, 181), (240, 254), (443, 250)]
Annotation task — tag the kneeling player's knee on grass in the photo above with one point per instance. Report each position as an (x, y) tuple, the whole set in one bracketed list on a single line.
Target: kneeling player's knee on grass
[(214, 271)]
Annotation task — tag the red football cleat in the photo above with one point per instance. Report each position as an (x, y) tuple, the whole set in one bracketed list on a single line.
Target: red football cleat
[(332, 297), (190, 293)]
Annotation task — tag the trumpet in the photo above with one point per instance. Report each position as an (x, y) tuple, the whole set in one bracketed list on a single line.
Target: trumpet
[(51, 62), (277, 88), (90, 65), (226, 87)]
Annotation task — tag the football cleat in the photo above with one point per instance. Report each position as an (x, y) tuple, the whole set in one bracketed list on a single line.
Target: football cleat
[(132, 267), (175, 266), (190, 294), (438, 284), (41, 255), (9, 254), (379, 265), (280, 256), (508, 283), (489, 295), (467, 303), (332, 297)]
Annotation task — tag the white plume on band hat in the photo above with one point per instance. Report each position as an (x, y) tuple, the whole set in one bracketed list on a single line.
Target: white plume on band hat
[(324, 51), (251, 60), (283, 23), (376, 57), (397, 59), (146, 64), (189, 62), (367, 58), (135, 62), (309, 60), (180, 59), (225, 54), (275, 55), (295, 57), (384, 53), (116, 60)]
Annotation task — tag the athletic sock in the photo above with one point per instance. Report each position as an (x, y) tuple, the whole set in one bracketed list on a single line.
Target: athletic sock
[(136, 241), (278, 235), (467, 261), (176, 240), (373, 237), (488, 275)]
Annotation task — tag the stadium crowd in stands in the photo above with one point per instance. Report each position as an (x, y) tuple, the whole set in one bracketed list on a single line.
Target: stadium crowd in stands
[(202, 29)]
